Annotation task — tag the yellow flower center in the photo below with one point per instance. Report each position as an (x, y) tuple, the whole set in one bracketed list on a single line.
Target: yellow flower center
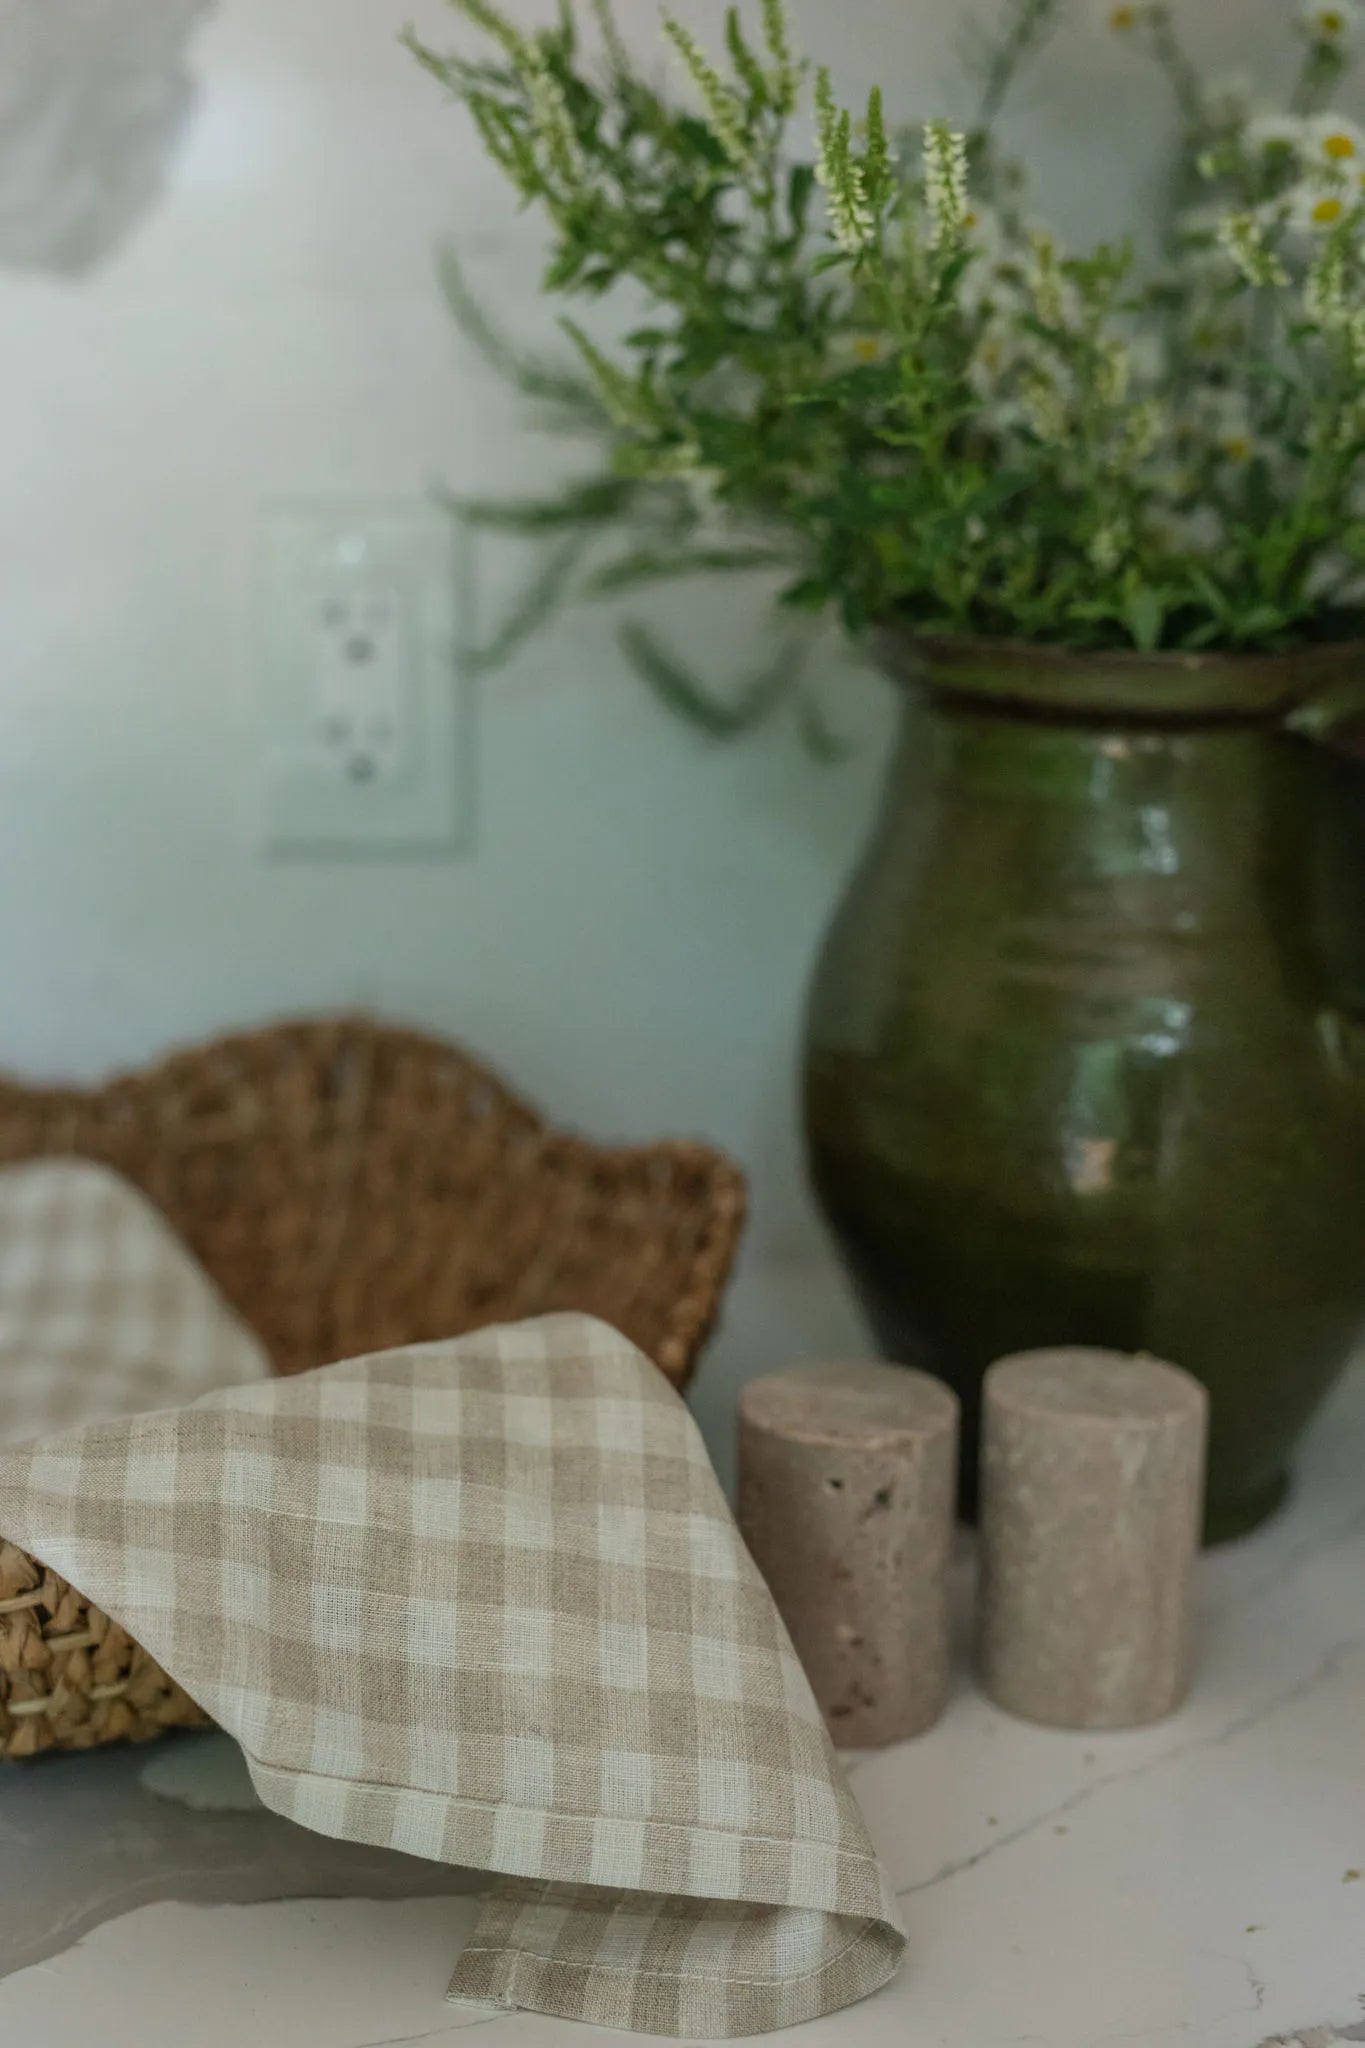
[(867, 348), (1237, 447), (1329, 22), (1326, 210), (1121, 19), (1338, 147)]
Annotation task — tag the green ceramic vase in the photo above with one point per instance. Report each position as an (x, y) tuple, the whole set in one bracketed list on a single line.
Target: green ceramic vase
[(1086, 1044)]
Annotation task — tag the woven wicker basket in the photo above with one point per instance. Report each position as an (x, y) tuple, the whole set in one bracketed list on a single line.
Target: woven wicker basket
[(350, 1187)]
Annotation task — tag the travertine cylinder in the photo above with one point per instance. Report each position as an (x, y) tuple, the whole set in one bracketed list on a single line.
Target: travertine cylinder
[(847, 1478), (1092, 1489)]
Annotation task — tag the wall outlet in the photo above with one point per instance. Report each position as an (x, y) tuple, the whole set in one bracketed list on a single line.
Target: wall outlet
[(364, 716), (362, 674)]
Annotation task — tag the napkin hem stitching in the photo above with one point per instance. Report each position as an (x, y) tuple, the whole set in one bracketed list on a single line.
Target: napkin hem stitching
[(678, 1827), (534, 1955)]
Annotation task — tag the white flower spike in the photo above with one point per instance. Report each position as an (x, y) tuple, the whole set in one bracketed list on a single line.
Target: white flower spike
[(851, 218), (724, 113), (1243, 240), (945, 183)]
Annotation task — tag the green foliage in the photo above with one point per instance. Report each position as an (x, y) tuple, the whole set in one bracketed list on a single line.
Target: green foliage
[(884, 377), (724, 716)]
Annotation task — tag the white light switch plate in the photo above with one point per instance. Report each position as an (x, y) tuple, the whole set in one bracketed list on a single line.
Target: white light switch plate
[(364, 715)]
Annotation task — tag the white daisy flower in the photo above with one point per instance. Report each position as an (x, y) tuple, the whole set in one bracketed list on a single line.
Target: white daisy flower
[(864, 347), (1336, 22), (1333, 145), (1314, 208)]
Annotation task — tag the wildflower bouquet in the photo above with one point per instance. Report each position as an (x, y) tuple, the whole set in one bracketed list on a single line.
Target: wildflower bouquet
[(873, 368)]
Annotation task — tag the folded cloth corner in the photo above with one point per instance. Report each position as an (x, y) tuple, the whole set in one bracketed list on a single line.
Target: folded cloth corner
[(484, 1601), (103, 1311)]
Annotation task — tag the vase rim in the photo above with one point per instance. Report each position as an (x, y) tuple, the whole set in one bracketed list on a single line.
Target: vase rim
[(1123, 684)]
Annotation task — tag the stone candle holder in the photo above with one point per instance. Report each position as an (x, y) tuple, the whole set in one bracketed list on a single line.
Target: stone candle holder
[(847, 1479), (1092, 1484)]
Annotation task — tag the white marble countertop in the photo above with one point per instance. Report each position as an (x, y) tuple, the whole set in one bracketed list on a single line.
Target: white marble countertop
[(1197, 1882)]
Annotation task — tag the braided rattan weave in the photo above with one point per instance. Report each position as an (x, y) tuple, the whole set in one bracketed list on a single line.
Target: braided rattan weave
[(351, 1186)]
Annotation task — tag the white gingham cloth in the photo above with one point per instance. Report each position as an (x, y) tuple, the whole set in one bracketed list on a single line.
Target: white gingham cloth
[(102, 1310), (484, 1601)]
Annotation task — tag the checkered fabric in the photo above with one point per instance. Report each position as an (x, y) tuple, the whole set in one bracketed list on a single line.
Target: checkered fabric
[(102, 1310), (484, 1601)]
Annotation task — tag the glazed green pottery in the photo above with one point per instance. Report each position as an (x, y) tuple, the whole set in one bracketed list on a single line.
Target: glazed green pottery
[(1086, 1044)]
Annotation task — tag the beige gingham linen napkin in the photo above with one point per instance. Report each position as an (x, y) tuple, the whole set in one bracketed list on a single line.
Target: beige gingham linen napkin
[(102, 1310), (484, 1601)]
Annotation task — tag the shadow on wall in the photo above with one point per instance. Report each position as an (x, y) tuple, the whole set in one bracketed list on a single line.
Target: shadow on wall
[(94, 96)]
